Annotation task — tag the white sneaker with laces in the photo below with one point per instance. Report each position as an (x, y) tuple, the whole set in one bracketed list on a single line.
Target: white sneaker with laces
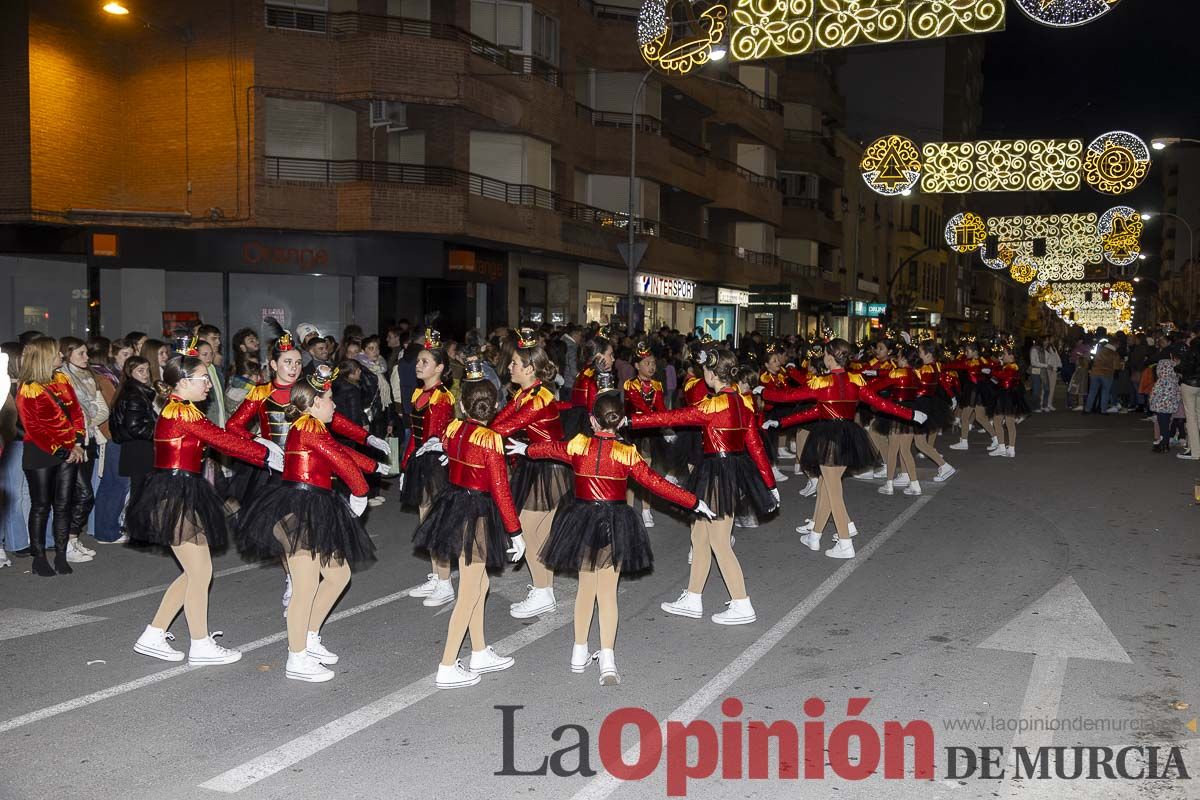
[(739, 612), (797, 469), (426, 588), (843, 548), (581, 657), (998, 450), (880, 472), (687, 605), (994, 443), (81, 547), (608, 668), (206, 651), (869, 475), (779, 476), (538, 601), (156, 643), (901, 480), (961, 444), (944, 472), (488, 660), (442, 593), (377, 501), (303, 667), (647, 518), (75, 554), (807, 527), (810, 488), (1011, 451), (913, 489), (317, 650), (887, 488), (784, 453), (811, 540), (455, 676)]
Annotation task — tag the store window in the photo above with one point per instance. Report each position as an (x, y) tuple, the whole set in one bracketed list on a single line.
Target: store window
[(602, 307)]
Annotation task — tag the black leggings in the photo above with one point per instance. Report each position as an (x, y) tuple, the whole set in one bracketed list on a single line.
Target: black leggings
[(67, 488)]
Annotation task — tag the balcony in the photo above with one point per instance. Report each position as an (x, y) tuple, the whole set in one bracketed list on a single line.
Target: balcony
[(811, 151), (804, 218)]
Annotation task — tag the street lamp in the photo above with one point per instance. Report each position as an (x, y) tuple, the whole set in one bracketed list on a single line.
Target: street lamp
[(116, 9), (1163, 142)]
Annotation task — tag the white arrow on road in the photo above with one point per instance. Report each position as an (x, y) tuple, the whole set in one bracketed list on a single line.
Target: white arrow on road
[(1060, 625)]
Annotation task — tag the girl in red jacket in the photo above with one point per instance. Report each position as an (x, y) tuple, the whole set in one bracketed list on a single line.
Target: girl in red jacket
[(1008, 403), (474, 523), (54, 434), (734, 467), (644, 395), (303, 520), (179, 509), (598, 534), (937, 397)]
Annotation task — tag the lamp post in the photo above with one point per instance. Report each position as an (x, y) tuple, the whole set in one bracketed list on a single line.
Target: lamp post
[(632, 258), (1190, 261)]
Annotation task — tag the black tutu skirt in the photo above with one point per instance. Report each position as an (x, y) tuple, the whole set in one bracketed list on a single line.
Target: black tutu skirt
[(463, 522), (937, 408), (574, 422), (838, 443), (985, 394), (723, 481), (288, 517), (593, 535), (539, 485), (685, 452), (1010, 402), (966, 391), (177, 506), (424, 479)]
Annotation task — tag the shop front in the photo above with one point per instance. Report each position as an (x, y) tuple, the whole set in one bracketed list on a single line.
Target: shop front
[(769, 307), (724, 317), (668, 302)]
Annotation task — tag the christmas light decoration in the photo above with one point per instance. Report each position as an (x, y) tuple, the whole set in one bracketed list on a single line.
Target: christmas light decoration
[(966, 232), (1065, 13), (1090, 304), (891, 165), (1116, 163), (672, 57), (776, 28), (1022, 271), (651, 21), (1120, 231)]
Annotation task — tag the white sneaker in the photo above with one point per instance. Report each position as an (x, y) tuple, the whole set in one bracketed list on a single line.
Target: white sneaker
[(688, 605), (880, 472), (442, 593), (488, 660), (156, 643), (122, 539), (739, 612), (779, 476), (377, 501), (303, 667), (998, 450), (869, 475), (426, 588), (647, 518), (1113, 410), (608, 668), (671, 479), (913, 488), (746, 521), (1011, 451), (206, 651), (843, 548), (4, 562), (811, 540), (287, 592), (538, 601), (81, 547), (807, 527), (961, 444), (455, 676), (810, 488), (317, 650), (901, 480), (797, 470), (1050, 408), (689, 555), (944, 472), (853, 530), (1038, 410), (75, 554), (887, 488), (581, 657), (995, 443), (784, 453)]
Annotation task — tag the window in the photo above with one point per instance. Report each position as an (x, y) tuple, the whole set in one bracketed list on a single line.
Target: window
[(545, 38), (799, 185), (406, 147), (915, 219), (302, 129), (411, 9), (298, 15), (502, 22)]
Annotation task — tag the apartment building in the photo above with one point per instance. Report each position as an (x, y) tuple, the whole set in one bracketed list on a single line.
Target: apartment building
[(1176, 291)]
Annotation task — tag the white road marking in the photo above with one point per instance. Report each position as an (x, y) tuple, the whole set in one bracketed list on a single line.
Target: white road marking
[(605, 784), (121, 598), (17, 622), (159, 677)]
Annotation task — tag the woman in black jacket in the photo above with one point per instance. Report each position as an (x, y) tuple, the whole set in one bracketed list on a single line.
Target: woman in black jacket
[(132, 422)]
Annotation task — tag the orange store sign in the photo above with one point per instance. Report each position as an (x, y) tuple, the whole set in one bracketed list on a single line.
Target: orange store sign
[(255, 253)]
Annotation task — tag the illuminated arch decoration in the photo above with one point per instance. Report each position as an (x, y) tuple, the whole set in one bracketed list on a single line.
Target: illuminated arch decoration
[(1114, 163), (1022, 271), (891, 165), (966, 232), (656, 38), (1120, 231), (1065, 13), (777, 28), (1084, 303)]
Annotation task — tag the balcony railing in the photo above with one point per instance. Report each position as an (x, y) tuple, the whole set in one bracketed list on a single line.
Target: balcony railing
[(745, 174), (617, 119), (350, 23), (753, 97), (601, 11)]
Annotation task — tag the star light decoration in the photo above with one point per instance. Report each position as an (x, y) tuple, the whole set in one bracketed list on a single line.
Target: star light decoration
[(1114, 163), (1065, 13)]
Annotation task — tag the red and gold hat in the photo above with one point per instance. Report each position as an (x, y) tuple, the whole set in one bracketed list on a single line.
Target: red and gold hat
[(284, 343), (642, 351), (473, 369), (527, 338), (322, 378), (433, 339), (188, 346)]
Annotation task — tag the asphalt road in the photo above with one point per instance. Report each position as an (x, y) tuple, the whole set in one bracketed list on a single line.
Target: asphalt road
[(1059, 585)]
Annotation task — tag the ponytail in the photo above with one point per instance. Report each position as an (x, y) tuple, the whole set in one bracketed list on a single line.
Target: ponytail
[(175, 370)]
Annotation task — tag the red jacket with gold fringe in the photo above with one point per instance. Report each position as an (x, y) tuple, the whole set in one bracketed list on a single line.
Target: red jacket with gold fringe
[(432, 411), (313, 456), (183, 432), (266, 402), (643, 397), (476, 455), (533, 411), (837, 396), (51, 415), (603, 467)]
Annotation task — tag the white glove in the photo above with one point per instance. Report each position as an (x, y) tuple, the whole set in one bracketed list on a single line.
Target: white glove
[(775, 494), (986, 370), (433, 445), (515, 448), (703, 509), (870, 372), (517, 551), (559, 380), (400, 483), (757, 390), (274, 454), (669, 437), (384, 468), (919, 417), (790, 365), (771, 423), (953, 403), (358, 505), (378, 444)]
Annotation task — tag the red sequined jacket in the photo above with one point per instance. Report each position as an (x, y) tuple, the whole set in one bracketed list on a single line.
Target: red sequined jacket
[(432, 411), (901, 384), (183, 432), (603, 467), (694, 391), (774, 380), (837, 396), (976, 368), (476, 456), (643, 397), (266, 403), (727, 417), (533, 411), (873, 367), (1007, 376), (583, 393), (313, 456), (934, 377), (51, 415)]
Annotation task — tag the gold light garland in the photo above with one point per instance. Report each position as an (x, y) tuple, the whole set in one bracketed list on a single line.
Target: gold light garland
[(966, 232), (672, 57), (1083, 303), (1116, 163), (1120, 231), (891, 165)]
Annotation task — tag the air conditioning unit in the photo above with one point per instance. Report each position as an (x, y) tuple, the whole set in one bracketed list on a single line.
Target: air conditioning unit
[(389, 114)]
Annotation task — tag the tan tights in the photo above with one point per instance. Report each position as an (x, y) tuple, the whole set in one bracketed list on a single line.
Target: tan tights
[(830, 502), (440, 568), (711, 538), (900, 445), (1006, 422), (924, 443), (536, 527), (877, 439), (597, 588), (315, 588), (966, 415), (189, 591), (468, 609), (982, 418)]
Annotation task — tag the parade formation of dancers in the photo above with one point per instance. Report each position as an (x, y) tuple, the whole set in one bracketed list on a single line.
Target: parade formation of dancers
[(532, 478)]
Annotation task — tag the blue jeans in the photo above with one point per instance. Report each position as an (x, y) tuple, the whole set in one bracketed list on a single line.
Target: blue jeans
[(14, 500), (1099, 385), (1035, 389), (110, 496)]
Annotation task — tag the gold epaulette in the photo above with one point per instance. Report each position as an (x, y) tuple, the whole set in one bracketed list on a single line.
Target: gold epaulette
[(857, 379), (453, 426), (182, 409), (488, 439), (625, 454), (820, 381), (579, 445), (259, 393), (309, 424), (31, 389), (714, 404)]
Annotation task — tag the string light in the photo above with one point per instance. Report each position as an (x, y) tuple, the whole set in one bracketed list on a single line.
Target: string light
[(966, 232), (652, 21), (672, 57), (891, 165), (1116, 162), (1120, 232), (1065, 13)]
